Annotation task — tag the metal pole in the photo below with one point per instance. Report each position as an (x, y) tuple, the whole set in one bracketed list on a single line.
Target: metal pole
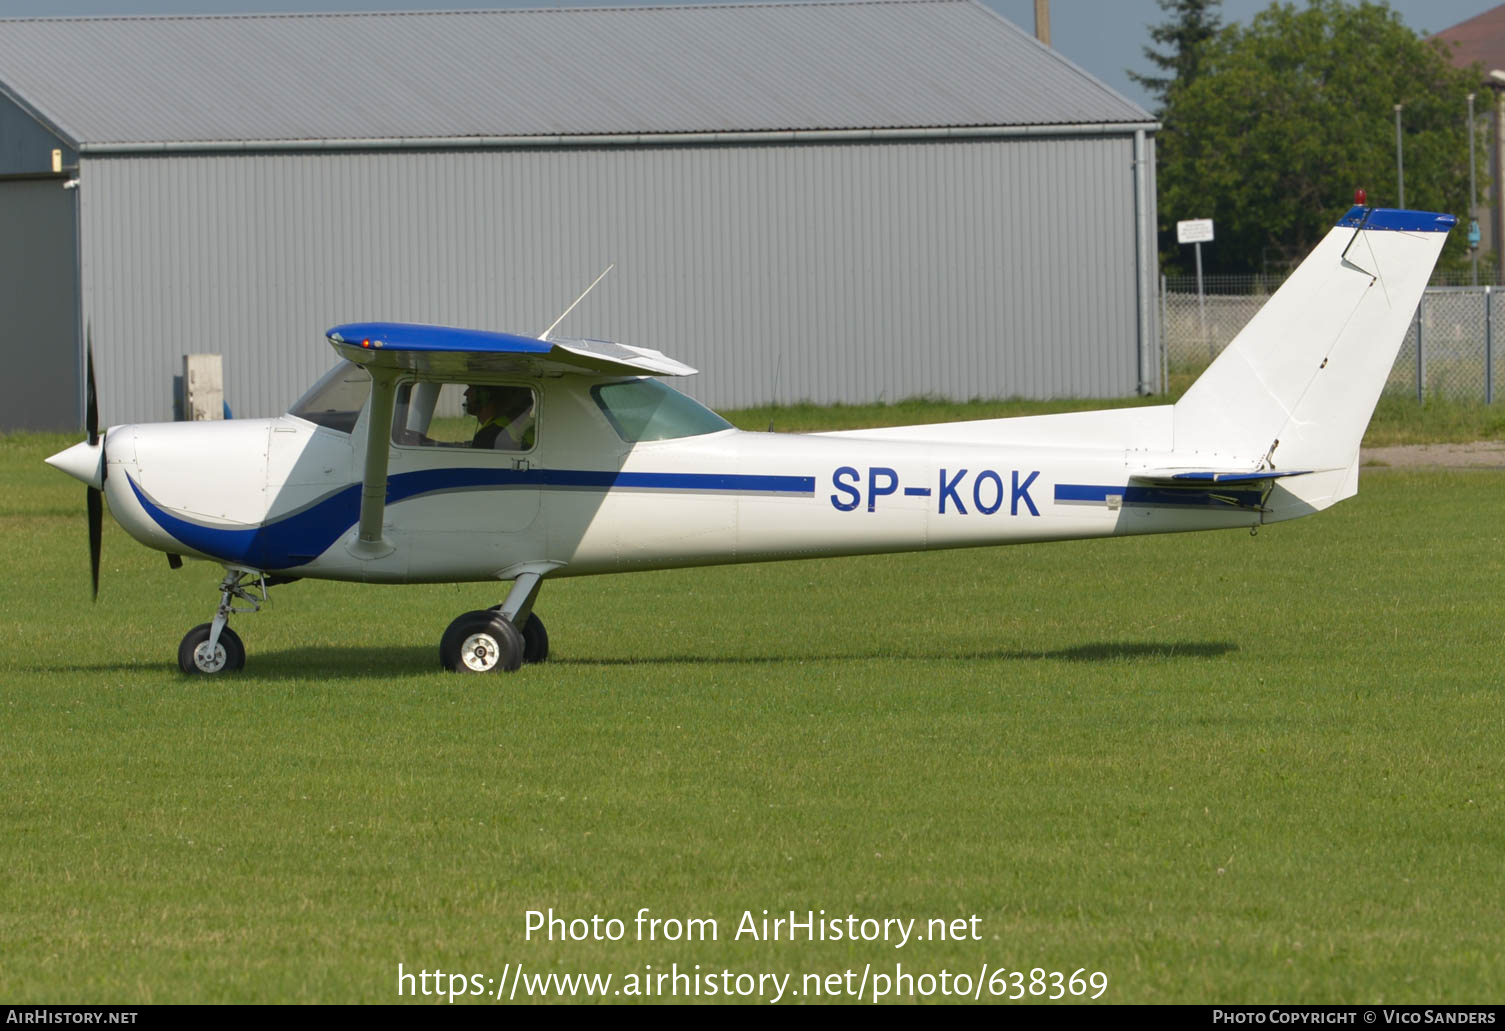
[(1042, 21), (1497, 190), (1489, 346), (1473, 196), (1421, 363), (1400, 167), (1202, 306), (1144, 259), (1165, 343)]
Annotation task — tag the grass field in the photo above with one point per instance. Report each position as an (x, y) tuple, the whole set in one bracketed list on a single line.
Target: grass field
[(1397, 420), (1213, 767)]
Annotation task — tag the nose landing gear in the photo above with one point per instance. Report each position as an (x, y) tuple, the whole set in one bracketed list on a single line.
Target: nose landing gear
[(213, 647)]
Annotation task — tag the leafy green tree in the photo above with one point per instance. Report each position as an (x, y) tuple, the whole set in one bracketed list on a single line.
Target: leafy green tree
[(1192, 23), (1289, 115)]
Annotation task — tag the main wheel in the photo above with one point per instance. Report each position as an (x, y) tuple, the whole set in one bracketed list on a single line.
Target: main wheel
[(194, 655), (535, 640), (481, 642)]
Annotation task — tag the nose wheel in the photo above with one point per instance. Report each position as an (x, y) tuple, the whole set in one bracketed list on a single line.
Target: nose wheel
[(197, 655), (212, 648)]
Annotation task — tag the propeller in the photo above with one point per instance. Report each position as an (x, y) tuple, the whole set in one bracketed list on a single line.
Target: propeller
[(95, 497)]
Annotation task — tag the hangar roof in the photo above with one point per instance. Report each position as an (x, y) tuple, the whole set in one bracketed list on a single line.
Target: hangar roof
[(1480, 38), (153, 81)]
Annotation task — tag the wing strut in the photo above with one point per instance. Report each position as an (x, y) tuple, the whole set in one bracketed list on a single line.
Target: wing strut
[(369, 543)]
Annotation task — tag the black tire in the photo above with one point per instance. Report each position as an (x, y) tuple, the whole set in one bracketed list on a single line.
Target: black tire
[(229, 655), (481, 642), (535, 640)]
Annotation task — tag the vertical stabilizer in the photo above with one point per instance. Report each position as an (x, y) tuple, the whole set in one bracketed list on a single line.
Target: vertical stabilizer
[(1308, 369)]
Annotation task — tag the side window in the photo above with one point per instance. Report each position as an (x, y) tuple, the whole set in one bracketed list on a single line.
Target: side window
[(645, 409), (497, 417)]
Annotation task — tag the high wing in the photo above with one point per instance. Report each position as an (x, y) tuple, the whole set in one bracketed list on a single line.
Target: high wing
[(389, 349), (458, 354)]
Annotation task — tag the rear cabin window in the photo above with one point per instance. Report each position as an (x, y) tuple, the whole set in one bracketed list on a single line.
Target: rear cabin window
[(337, 399), (645, 409)]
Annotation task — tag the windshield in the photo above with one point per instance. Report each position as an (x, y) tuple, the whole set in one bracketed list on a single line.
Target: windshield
[(337, 399), (645, 409)]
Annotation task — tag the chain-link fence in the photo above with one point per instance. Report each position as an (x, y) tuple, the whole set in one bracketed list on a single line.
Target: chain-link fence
[(1451, 349)]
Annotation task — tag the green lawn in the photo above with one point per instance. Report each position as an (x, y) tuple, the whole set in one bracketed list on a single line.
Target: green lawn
[(1213, 767), (1397, 420)]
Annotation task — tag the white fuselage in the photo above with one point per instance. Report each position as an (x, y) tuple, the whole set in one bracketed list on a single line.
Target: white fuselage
[(283, 495)]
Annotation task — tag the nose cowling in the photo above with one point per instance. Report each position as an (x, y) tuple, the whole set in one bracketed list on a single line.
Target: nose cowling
[(84, 462)]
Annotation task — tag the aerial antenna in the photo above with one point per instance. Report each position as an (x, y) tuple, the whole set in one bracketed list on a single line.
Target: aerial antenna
[(773, 394), (555, 324)]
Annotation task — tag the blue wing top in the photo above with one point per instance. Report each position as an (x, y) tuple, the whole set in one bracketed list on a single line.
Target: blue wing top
[(446, 351)]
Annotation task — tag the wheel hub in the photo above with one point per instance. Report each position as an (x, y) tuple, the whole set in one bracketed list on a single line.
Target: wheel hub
[(209, 662), (480, 652)]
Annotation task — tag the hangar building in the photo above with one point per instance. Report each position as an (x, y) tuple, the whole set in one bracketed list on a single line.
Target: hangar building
[(843, 201)]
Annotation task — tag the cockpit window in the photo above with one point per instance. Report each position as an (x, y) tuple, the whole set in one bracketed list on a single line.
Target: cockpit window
[(337, 399), (497, 417), (645, 409)]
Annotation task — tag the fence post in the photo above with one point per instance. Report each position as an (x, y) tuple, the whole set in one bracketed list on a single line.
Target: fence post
[(1165, 343), (1421, 364), (1202, 308), (1489, 347)]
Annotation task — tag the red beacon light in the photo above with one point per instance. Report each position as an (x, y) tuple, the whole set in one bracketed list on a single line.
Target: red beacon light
[(1360, 197)]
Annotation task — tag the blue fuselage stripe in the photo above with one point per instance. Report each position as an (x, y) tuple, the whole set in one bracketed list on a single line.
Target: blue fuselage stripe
[(299, 538), (406, 485)]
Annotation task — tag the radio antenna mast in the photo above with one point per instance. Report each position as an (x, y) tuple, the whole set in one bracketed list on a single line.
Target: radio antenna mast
[(555, 324)]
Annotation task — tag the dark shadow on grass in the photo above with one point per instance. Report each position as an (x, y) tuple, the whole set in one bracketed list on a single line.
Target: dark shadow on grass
[(1117, 651), (344, 662), (349, 662), (352, 662)]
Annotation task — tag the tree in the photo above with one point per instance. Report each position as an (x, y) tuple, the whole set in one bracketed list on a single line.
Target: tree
[(1288, 116), (1191, 25)]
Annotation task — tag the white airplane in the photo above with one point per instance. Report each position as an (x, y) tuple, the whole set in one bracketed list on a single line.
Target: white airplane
[(589, 464)]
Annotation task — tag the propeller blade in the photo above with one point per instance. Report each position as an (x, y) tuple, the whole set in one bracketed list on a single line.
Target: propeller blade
[(91, 402), (96, 526)]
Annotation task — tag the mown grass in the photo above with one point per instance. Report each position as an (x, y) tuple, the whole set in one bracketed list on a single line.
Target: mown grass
[(1398, 419), (1215, 767)]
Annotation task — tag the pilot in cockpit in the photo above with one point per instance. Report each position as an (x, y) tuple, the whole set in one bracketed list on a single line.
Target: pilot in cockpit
[(505, 415)]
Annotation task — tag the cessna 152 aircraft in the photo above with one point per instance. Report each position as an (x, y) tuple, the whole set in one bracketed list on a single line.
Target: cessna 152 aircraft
[(599, 467)]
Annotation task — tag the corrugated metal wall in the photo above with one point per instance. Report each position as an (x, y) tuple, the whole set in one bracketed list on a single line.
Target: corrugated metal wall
[(828, 272)]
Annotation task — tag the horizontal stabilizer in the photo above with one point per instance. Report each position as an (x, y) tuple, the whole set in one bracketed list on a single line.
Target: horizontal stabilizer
[(456, 353), (1203, 477)]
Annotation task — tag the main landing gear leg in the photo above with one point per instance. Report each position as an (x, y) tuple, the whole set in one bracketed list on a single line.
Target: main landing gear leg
[(500, 638), (213, 647), (518, 608)]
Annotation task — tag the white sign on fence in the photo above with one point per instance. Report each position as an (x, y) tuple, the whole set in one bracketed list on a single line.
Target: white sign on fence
[(1194, 230)]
